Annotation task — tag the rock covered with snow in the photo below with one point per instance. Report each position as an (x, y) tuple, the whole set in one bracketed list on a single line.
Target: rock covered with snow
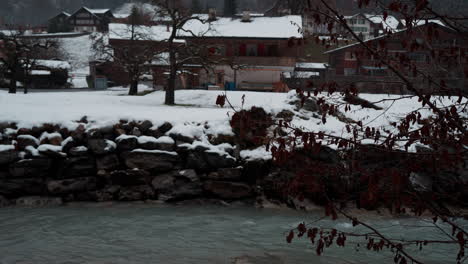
[(151, 159)]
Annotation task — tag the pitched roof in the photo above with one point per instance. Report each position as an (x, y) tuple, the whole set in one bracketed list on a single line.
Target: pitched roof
[(382, 36), (121, 31), (284, 27), (96, 11)]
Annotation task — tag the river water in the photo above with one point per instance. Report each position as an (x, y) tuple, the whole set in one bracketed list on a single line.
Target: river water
[(137, 233)]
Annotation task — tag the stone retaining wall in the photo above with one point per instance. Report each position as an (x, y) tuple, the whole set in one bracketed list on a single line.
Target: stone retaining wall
[(126, 162)]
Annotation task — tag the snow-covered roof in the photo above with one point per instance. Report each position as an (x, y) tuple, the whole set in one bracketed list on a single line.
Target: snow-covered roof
[(423, 22), (53, 64), (259, 27), (379, 37), (391, 23), (150, 33), (40, 72), (311, 65), (96, 11)]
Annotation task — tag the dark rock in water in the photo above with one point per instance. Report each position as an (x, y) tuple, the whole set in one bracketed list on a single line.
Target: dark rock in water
[(178, 185), (77, 167), (164, 128), (4, 202), (14, 188), (226, 174), (228, 190), (72, 185), (255, 170), (101, 146), (130, 177), (127, 143), (136, 193), (151, 160), (108, 194), (38, 201), (27, 140), (108, 162), (8, 156), (202, 202), (31, 168)]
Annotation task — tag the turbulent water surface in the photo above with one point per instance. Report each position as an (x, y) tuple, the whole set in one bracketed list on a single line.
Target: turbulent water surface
[(130, 233)]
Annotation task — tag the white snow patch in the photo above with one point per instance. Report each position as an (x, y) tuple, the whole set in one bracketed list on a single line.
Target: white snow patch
[(33, 151), (124, 137), (48, 147), (110, 145), (256, 154), (6, 148), (49, 136), (161, 140), (156, 152)]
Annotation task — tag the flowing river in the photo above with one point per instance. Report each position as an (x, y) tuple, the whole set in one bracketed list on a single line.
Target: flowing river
[(138, 233)]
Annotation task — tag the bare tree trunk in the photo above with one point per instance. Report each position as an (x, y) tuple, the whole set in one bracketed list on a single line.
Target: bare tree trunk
[(133, 88), (170, 91), (12, 88)]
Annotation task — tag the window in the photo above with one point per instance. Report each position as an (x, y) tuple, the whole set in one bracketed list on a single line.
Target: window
[(349, 71), (219, 50), (252, 50), (362, 21), (350, 56), (419, 57), (272, 50), (83, 15)]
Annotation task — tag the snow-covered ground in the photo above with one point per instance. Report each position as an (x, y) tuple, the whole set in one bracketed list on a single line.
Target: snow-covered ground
[(78, 51), (196, 113)]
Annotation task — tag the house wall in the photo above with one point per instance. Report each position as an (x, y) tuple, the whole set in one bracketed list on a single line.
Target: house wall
[(355, 65), (84, 21)]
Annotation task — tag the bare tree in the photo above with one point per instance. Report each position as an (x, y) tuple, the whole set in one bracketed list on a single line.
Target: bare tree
[(130, 45), (20, 55)]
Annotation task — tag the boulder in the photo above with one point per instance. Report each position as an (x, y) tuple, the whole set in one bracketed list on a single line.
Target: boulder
[(145, 126), (31, 168), (152, 143), (78, 151), (100, 146), (226, 174), (181, 138), (151, 160), (27, 140), (62, 187), (14, 188), (4, 202), (136, 193), (228, 190), (51, 151), (286, 115), (76, 167), (164, 128), (126, 143), (38, 201), (68, 144), (107, 194), (309, 104), (178, 185), (130, 177), (108, 162), (217, 160), (8, 154), (196, 160)]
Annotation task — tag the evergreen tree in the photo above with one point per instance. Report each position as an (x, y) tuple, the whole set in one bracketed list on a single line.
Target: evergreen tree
[(230, 8)]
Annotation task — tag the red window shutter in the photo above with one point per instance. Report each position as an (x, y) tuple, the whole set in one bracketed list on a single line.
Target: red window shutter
[(261, 49), (242, 50)]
